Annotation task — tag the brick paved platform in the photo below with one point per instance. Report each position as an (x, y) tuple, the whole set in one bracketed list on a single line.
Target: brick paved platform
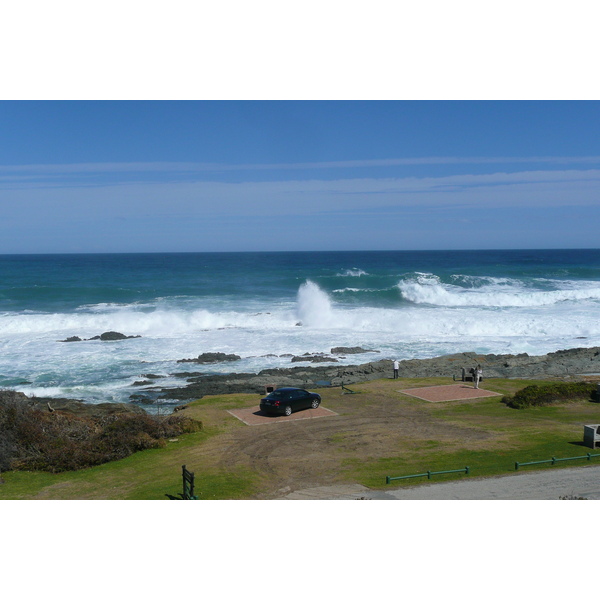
[(445, 393), (255, 416)]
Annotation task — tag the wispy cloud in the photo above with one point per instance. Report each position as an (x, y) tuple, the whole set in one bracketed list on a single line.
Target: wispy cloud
[(192, 167), (178, 214), (303, 197)]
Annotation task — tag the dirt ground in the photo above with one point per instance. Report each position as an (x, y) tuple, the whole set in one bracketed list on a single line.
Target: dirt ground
[(296, 454)]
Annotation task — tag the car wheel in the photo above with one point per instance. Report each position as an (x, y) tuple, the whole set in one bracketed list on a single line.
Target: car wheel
[(288, 411), (315, 403)]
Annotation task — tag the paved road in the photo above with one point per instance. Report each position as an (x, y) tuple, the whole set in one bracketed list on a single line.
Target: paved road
[(549, 484)]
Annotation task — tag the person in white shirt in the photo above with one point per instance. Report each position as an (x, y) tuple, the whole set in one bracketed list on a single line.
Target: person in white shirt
[(477, 376), (396, 367)]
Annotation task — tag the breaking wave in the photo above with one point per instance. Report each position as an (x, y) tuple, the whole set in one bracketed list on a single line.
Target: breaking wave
[(131, 322), (352, 273), (500, 293)]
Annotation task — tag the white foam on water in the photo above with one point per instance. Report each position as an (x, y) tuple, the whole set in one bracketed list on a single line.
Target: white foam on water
[(502, 293), (352, 273), (357, 290), (131, 321), (43, 392), (458, 320)]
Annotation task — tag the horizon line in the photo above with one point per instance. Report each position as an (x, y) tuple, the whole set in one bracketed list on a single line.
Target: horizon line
[(291, 251)]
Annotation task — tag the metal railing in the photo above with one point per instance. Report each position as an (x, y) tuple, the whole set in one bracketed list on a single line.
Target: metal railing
[(466, 470), (428, 474), (553, 460)]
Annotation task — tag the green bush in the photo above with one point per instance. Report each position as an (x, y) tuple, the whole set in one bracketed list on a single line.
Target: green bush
[(552, 393)]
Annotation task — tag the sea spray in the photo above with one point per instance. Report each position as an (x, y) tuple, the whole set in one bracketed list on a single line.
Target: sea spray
[(314, 306)]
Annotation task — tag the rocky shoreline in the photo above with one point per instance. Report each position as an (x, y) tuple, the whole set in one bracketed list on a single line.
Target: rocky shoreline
[(563, 364), (572, 364)]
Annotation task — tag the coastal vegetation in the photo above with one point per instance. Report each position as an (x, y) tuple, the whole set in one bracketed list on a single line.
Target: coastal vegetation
[(552, 393), (376, 432), (45, 439)]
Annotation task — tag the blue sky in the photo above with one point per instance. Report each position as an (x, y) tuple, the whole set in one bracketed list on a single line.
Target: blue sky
[(185, 176)]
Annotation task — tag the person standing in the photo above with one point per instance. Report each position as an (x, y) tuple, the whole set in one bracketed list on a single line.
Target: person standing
[(477, 373), (396, 367)]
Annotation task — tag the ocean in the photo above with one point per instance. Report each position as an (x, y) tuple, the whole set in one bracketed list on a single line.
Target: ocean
[(266, 306)]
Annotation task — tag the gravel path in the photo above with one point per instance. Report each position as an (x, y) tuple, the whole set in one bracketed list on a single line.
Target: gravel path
[(549, 484)]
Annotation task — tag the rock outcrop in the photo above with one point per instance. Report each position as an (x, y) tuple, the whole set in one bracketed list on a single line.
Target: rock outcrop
[(111, 336), (76, 407), (351, 350), (208, 358), (314, 358), (561, 364), (107, 336)]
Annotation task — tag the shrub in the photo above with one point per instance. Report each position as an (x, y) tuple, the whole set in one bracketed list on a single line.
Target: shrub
[(11, 411), (34, 439), (552, 393), (179, 424)]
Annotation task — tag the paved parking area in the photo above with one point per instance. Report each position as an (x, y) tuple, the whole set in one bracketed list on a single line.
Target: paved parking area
[(444, 393), (255, 416)]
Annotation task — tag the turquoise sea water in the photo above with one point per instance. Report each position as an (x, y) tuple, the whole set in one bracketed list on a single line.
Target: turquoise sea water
[(403, 304)]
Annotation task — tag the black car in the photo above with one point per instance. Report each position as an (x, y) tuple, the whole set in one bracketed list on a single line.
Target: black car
[(284, 401)]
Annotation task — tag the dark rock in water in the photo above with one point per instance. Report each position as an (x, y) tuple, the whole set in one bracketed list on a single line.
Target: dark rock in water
[(107, 336), (352, 350), (211, 357), (111, 336), (141, 383), (314, 358)]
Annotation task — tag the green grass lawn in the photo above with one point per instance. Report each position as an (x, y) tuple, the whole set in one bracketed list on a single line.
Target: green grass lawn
[(146, 475), (532, 434), (494, 437)]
